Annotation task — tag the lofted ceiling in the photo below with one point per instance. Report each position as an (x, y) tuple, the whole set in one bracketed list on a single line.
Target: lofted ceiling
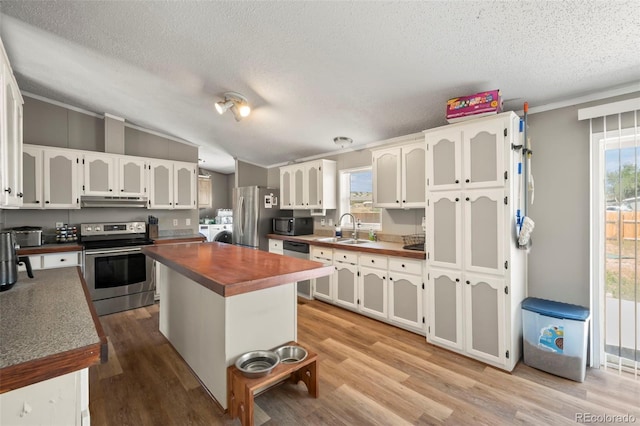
[(312, 70)]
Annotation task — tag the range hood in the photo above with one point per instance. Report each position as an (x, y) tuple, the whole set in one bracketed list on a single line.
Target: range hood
[(97, 201)]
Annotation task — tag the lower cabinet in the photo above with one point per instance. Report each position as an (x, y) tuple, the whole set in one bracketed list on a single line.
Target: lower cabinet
[(53, 260), (467, 314), (372, 287), (346, 284), (322, 288), (405, 299)]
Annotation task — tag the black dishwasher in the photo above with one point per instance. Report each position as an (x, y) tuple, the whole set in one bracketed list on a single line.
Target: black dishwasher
[(301, 251)]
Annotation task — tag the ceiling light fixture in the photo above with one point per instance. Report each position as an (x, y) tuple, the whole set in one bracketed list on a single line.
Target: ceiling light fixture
[(342, 141), (235, 102)]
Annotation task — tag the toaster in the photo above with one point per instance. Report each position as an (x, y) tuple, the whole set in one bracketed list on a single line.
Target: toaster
[(28, 236)]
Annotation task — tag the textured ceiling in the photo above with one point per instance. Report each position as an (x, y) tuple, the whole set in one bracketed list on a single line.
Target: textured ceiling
[(312, 70)]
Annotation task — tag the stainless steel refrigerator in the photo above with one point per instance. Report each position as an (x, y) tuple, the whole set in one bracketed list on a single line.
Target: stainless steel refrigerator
[(253, 209)]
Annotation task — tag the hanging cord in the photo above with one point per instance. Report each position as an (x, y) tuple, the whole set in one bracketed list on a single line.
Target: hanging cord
[(527, 225)]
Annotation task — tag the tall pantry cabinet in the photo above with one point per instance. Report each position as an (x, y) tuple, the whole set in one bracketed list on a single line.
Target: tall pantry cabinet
[(475, 273)]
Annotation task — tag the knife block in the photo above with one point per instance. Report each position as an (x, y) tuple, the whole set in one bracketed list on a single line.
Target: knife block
[(152, 231)]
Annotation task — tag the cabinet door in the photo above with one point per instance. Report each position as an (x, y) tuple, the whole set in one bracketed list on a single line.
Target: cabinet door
[(131, 177), (405, 299), (345, 277), (275, 246), (444, 239), (314, 185), (298, 189), (484, 313), (286, 183), (161, 184), (484, 230), (11, 146), (483, 147), (444, 151), (61, 180), (32, 177), (184, 180), (413, 175), (204, 192), (323, 286), (444, 298), (372, 285), (99, 174), (386, 178)]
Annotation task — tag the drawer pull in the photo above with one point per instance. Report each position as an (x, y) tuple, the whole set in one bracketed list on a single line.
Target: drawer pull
[(373, 261), (62, 260), (403, 265)]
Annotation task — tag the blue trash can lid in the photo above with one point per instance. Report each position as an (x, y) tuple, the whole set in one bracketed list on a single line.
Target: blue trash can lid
[(555, 309)]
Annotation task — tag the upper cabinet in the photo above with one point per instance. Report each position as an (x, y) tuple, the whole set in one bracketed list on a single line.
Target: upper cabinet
[(205, 196), (308, 186), (61, 179), (399, 176), (11, 190), (113, 175), (172, 184)]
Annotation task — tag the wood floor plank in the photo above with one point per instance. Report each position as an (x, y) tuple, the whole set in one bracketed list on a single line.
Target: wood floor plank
[(369, 373)]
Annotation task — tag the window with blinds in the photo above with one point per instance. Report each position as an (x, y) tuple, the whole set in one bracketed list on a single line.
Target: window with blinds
[(615, 149)]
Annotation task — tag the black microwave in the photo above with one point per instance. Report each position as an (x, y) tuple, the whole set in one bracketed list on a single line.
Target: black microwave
[(293, 225)]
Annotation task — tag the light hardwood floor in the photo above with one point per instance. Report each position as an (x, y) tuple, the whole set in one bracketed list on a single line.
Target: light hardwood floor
[(370, 373)]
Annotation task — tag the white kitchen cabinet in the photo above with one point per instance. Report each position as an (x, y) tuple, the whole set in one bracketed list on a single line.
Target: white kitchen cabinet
[(346, 284), (308, 186), (172, 185), (372, 289), (99, 174), (322, 287), (61, 179), (406, 286), (53, 260), (32, 169), (399, 176), (11, 190), (475, 272), (205, 195), (132, 176)]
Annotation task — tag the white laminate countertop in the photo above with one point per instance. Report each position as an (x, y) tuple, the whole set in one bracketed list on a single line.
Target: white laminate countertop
[(44, 316)]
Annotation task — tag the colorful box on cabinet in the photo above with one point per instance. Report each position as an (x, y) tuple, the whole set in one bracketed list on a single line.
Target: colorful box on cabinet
[(478, 105)]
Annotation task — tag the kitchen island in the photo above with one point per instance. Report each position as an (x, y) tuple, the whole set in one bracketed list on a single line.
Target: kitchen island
[(219, 301)]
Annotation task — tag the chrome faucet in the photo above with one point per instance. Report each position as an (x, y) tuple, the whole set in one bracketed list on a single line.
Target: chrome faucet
[(354, 234)]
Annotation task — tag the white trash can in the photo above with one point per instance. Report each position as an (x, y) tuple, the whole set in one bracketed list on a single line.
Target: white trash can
[(555, 337)]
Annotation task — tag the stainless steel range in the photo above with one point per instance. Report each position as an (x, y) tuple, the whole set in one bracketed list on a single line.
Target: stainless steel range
[(118, 275)]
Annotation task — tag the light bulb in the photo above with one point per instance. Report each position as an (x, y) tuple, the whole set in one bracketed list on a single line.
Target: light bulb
[(245, 110)]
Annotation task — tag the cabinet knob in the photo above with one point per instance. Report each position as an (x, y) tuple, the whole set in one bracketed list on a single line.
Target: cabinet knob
[(404, 201), (122, 190), (110, 190), (457, 180), (336, 268), (467, 180), (398, 201), (37, 201), (457, 199), (384, 278), (20, 195), (46, 202), (468, 282), (373, 261), (8, 190), (345, 256), (457, 280), (467, 198), (403, 265), (390, 279), (62, 260)]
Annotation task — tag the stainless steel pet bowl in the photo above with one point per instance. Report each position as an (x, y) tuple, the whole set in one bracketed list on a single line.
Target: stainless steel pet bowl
[(257, 363), (291, 354)]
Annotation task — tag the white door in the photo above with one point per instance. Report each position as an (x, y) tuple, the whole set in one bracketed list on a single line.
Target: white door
[(386, 178), (372, 291), (346, 285), (99, 175), (444, 230), (323, 286), (483, 146), (61, 179), (131, 177), (445, 308), (405, 299), (413, 175), (185, 182), (484, 318), (32, 177), (286, 184), (484, 231), (161, 184), (444, 152), (313, 185), (11, 149), (298, 188)]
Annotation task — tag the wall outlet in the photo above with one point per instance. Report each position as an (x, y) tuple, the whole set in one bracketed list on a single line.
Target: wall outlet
[(330, 222), (187, 222), (175, 222), (321, 222)]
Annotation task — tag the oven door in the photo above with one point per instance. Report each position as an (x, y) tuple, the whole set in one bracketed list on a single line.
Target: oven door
[(117, 272)]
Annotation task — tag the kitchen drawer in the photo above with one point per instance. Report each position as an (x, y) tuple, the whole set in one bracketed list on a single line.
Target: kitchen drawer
[(275, 246), (408, 266), (321, 252), (373, 261), (60, 260), (36, 263), (345, 256)]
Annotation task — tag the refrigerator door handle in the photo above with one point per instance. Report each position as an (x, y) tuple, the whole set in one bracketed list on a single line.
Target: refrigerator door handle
[(241, 214)]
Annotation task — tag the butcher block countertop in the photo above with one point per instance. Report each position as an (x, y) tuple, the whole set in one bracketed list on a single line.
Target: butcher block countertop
[(48, 327), (49, 248), (376, 247), (229, 270)]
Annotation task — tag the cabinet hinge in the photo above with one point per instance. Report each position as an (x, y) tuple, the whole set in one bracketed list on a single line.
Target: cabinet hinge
[(507, 354), (83, 161), (429, 329), (428, 256), (427, 181), (77, 200), (423, 286), (505, 132), (428, 276), (145, 190), (83, 187), (423, 321), (149, 202), (506, 290), (77, 161), (319, 168), (506, 200), (358, 273), (506, 264), (506, 175), (358, 301)]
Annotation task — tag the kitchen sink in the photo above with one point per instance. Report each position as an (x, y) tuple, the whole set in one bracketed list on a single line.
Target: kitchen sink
[(332, 239), (352, 241)]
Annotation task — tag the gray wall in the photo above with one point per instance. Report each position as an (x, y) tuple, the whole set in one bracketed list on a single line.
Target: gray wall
[(249, 174), (220, 193), (51, 125), (559, 261)]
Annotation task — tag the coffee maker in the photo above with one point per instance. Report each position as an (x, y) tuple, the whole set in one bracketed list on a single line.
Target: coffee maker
[(9, 261)]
